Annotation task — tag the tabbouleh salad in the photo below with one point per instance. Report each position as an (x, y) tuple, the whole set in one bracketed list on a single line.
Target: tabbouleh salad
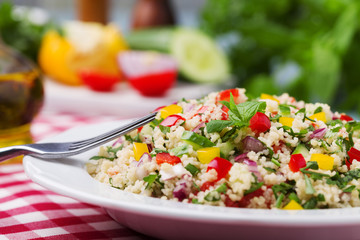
[(227, 150)]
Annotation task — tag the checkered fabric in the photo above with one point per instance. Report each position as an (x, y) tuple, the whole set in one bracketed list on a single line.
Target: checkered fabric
[(28, 211)]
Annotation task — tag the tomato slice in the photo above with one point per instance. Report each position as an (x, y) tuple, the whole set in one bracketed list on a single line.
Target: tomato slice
[(221, 165), (296, 162), (97, 81), (167, 158), (345, 117), (260, 123), (171, 120), (225, 95)]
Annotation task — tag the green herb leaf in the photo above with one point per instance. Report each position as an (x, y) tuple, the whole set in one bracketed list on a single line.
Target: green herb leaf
[(293, 196), (254, 187), (270, 169), (180, 150), (151, 179), (217, 125), (102, 157), (349, 189), (308, 186), (111, 183), (284, 109), (310, 204), (279, 200), (164, 129), (318, 109)]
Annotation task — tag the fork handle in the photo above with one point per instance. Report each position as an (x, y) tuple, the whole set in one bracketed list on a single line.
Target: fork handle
[(11, 152)]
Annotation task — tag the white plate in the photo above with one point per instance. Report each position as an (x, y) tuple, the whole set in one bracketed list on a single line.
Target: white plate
[(173, 220)]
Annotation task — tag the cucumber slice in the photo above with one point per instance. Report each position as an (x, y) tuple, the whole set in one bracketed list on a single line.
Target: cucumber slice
[(199, 59), (301, 148), (196, 140), (225, 149)]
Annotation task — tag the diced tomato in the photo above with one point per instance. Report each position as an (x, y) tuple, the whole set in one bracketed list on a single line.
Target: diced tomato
[(260, 123), (297, 161), (225, 95), (167, 158), (224, 113), (221, 165), (171, 120), (206, 185), (353, 154), (245, 201), (278, 148), (345, 117), (139, 129), (97, 81)]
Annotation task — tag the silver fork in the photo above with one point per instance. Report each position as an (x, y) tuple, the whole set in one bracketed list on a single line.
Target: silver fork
[(66, 149)]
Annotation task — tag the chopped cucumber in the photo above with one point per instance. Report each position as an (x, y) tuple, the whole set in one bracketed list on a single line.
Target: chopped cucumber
[(196, 140), (225, 149), (198, 57), (301, 148)]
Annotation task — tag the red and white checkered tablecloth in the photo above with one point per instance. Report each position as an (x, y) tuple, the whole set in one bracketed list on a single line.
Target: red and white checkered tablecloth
[(29, 211)]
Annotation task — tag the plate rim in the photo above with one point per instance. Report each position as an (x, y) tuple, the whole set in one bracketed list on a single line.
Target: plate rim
[(183, 211)]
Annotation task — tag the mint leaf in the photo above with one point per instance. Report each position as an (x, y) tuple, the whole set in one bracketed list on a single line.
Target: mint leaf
[(247, 110), (217, 125), (284, 109)]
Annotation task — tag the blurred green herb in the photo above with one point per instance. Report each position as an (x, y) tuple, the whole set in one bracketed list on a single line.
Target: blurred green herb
[(20, 32), (307, 48)]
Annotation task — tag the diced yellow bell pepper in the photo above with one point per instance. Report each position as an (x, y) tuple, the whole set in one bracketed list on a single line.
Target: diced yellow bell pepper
[(139, 150), (319, 116), (293, 205), (170, 110), (268, 96), (325, 162), (286, 121), (205, 155)]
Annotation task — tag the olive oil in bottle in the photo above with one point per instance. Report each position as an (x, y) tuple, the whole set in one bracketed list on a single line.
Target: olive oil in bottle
[(21, 97)]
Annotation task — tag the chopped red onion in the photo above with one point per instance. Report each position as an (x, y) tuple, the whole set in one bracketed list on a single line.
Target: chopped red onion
[(252, 144), (140, 171), (145, 157), (240, 158), (188, 108), (150, 147), (118, 141), (196, 129), (253, 167), (318, 133), (181, 190)]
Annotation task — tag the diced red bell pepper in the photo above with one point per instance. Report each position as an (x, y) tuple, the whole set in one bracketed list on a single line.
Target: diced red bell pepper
[(225, 95), (167, 158), (171, 120), (345, 117), (353, 154), (221, 166), (159, 108), (260, 123), (97, 81), (297, 161)]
